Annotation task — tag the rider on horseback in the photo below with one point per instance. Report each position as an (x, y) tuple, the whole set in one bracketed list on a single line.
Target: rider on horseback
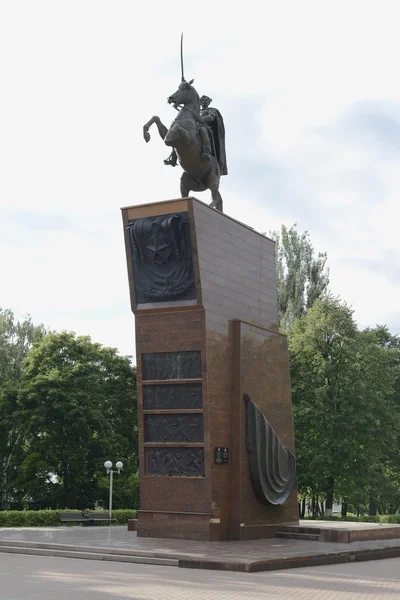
[(212, 134), (207, 116)]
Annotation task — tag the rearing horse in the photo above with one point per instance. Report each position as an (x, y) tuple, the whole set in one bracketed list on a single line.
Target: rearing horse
[(199, 173)]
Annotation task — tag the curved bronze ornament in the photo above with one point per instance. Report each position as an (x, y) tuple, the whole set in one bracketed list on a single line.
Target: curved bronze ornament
[(272, 466)]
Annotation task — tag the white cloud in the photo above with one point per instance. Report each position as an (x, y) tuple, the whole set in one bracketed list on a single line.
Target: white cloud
[(79, 80)]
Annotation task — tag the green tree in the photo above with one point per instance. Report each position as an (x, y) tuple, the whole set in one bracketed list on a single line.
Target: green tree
[(382, 491), (343, 387), (79, 400), (302, 277), (16, 339)]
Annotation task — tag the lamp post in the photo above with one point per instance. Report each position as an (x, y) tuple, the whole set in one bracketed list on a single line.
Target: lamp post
[(109, 466)]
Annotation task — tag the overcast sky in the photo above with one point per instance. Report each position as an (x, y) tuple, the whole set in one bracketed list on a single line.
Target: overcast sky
[(310, 96)]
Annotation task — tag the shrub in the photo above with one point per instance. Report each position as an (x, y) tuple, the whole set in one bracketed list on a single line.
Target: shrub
[(122, 515), (349, 519), (41, 518), (391, 519), (13, 518), (49, 518)]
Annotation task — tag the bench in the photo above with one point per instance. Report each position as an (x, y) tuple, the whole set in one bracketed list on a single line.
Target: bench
[(84, 517), (72, 517), (99, 516)]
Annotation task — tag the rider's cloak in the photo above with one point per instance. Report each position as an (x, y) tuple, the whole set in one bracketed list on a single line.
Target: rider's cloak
[(218, 130)]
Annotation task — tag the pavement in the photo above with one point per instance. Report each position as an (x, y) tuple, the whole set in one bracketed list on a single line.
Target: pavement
[(49, 578), (118, 545)]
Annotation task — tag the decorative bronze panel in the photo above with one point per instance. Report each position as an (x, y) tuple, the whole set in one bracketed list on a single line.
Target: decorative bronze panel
[(174, 428), (162, 258), (178, 462), (272, 466), (172, 396), (172, 365)]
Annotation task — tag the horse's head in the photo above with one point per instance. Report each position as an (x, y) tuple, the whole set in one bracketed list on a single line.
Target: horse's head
[(184, 95)]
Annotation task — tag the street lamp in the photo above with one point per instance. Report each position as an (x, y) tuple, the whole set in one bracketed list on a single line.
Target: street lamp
[(108, 465)]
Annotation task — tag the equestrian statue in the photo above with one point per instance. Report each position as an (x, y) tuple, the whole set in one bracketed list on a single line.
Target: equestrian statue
[(197, 138)]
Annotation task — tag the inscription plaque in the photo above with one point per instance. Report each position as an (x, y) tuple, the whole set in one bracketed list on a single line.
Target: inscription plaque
[(175, 462), (174, 428), (221, 455), (171, 365)]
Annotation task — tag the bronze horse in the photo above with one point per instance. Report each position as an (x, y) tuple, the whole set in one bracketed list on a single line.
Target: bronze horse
[(199, 173)]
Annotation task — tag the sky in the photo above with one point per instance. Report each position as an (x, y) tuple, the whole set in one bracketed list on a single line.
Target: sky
[(310, 95)]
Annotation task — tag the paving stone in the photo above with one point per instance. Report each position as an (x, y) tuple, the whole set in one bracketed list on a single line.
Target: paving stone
[(250, 556), (25, 577)]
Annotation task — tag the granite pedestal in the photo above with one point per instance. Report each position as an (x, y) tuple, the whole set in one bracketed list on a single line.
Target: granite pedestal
[(203, 291)]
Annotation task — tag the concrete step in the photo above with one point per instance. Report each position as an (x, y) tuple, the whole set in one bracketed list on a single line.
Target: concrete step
[(311, 537), (93, 554), (96, 549)]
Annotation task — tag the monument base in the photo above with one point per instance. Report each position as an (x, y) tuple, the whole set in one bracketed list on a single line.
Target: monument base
[(185, 526), (203, 291)]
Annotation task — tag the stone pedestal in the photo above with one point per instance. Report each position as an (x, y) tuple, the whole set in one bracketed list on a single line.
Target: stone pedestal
[(203, 291)]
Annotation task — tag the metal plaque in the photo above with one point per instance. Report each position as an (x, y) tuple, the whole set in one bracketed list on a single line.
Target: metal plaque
[(221, 455)]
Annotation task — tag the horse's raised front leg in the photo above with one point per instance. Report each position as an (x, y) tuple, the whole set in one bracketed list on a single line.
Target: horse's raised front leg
[(162, 130)]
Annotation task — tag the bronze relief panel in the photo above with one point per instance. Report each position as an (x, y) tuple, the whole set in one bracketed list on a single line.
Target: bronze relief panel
[(162, 258), (171, 365), (172, 396), (175, 462), (178, 428)]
